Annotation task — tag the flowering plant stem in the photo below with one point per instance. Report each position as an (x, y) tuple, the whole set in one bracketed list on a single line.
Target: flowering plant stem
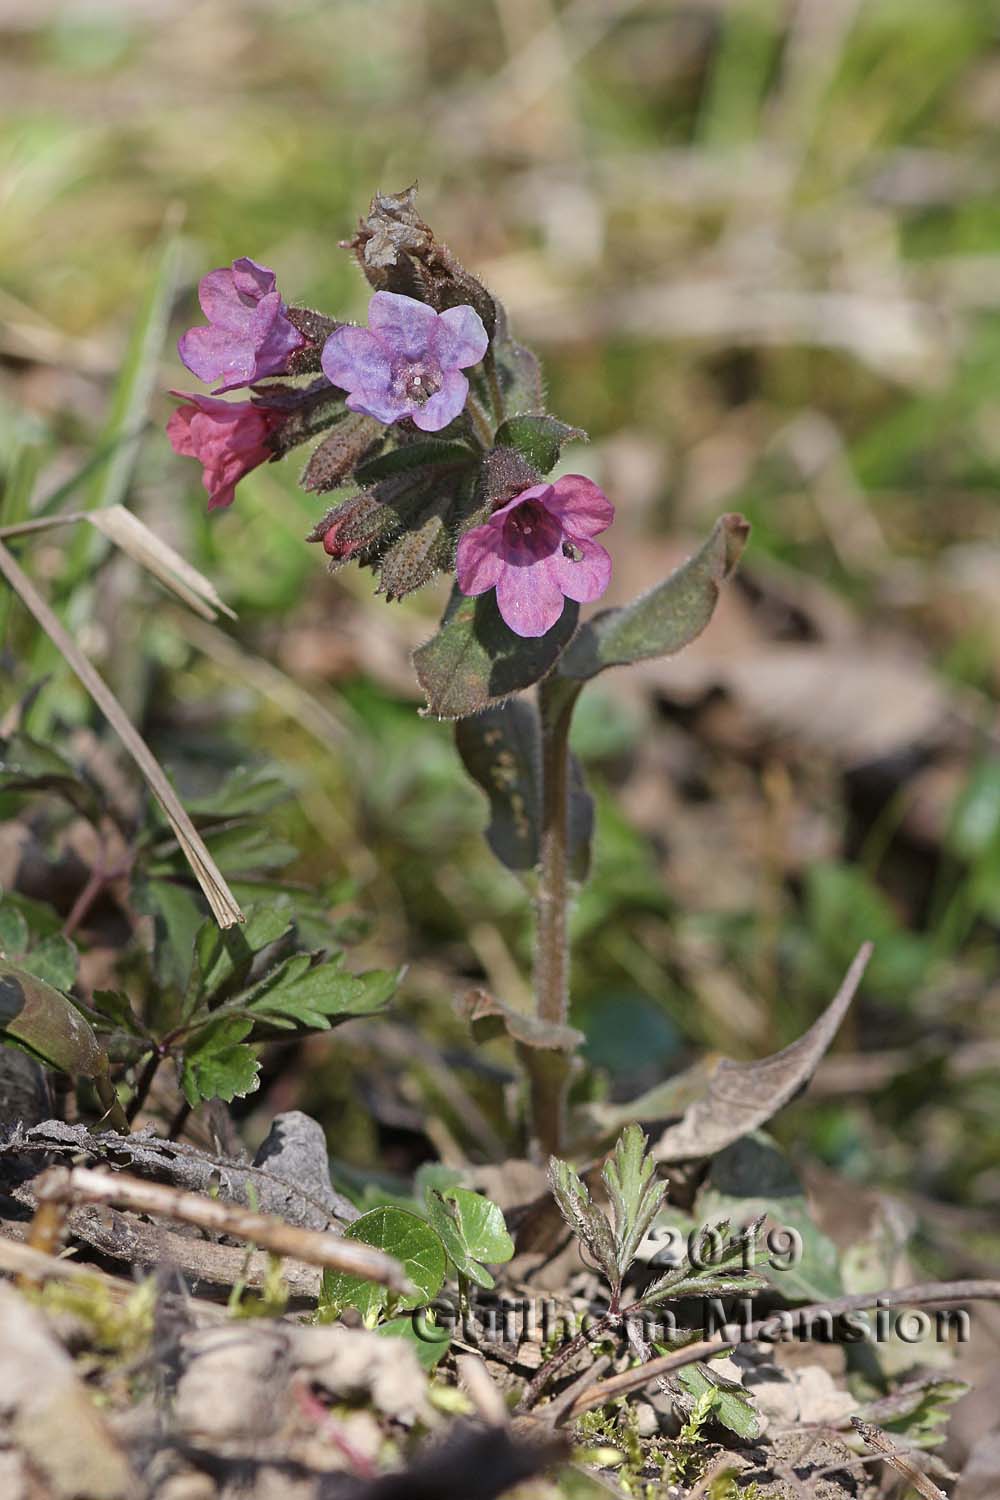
[(550, 1069)]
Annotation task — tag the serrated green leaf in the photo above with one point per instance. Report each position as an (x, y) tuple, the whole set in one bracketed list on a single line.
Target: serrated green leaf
[(539, 438), (116, 1009), (223, 956), (586, 1220), (320, 995), (669, 617), (14, 935), (39, 1020), (246, 791), (732, 1406), (55, 960), (636, 1194), (722, 1272), (411, 1241), (472, 1230), (476, 660), (218, 1064), (178, 917), (27, 765)]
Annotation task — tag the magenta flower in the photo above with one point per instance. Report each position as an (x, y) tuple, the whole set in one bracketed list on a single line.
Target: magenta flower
[(408, 362), (229, 438), (538, 549), (248, 334)]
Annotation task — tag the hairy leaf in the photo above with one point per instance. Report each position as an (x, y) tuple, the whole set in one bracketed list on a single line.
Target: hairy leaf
[(539, 438), (635, 1192), (301, 992), (586, 1220), (501, 750), (666, 619), (475, 660)]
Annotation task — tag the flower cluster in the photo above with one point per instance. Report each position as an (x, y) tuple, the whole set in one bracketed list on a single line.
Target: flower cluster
[(448, 466)]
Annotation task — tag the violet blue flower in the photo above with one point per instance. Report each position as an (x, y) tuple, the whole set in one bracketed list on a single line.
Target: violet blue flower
[(229, 438), (537, 550), (248, 334), (407, 362)]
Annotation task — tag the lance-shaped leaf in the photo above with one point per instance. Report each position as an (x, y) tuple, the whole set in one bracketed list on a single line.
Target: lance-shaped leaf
[(740, 1096), (475, 660), (39, 1020), (721, 1269), (539, 438), (669, 617), (635, 1192), (519, 375), (587, 1221), (501, 750)]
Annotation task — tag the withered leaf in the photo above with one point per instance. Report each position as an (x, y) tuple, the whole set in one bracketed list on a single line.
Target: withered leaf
[(740, 1096)]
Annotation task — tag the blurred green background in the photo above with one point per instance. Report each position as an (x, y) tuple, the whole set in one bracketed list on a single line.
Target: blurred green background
[(757, 244)]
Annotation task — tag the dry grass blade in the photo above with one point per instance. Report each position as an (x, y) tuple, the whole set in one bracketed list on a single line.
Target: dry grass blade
[(73, 1185), (133, 536), (220, 898), (875, 1439)]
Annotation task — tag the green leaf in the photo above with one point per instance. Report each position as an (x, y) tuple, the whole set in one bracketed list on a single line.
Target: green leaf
[(40, 1020), (635, 1192), (26, 765), (301, 992), (218, 1064), (501, 750), (720, 1270), (14, 936), (223, 956), (476, 660), (55, 960), (539, 438), (753, 1179), (472, 1230), (248, 791), (519, 375), (430, 1345), (116, 1009), (401, 1234), (666, 619), (178, 919), (586, 1220), (733, 1406)]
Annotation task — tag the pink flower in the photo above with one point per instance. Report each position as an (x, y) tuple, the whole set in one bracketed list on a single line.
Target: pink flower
[(407, 362), (537, 550), (229, 438), (248, 335)]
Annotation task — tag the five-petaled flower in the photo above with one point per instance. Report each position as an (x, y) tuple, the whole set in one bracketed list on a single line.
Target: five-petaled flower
[(408, 362), (229, 438), (538, 549), (249, 335)]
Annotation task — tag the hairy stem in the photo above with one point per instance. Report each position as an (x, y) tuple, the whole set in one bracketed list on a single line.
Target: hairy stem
[(480, 421), (549, 1069), (492, 380)]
